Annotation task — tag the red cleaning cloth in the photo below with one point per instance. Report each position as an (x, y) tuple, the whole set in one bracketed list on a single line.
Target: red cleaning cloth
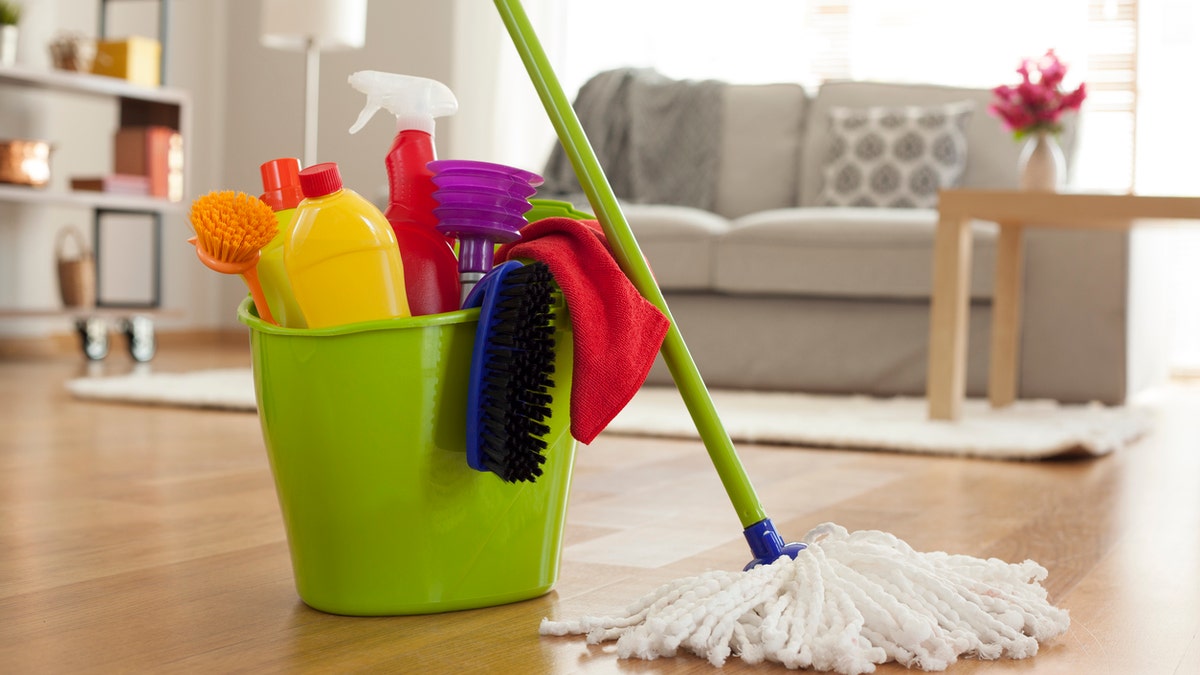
[(617, 331)]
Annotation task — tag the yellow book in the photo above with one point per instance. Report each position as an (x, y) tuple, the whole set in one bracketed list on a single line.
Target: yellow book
[(134, 58)]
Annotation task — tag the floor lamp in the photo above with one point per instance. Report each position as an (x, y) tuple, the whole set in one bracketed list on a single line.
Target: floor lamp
[(313, 26)]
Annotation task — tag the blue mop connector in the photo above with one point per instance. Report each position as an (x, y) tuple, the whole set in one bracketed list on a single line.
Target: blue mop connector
[(766, 544)]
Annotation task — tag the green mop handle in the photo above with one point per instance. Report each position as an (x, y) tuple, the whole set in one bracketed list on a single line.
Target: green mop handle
[(629, 257)]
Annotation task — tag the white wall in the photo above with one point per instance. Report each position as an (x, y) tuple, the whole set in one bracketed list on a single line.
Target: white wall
[(1167, 143), (265, 91), (500, 117)]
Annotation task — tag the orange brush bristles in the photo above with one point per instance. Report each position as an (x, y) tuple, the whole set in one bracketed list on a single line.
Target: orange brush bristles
[(232, 226)]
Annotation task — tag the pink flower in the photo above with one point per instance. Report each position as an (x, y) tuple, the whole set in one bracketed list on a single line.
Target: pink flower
[(1037, 103), (1052, 70), (1073, 100), (1014, 117), (1034, 95), (1023, 69)]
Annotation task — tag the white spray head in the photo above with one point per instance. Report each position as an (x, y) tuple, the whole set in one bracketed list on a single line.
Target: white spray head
[(415, 101)]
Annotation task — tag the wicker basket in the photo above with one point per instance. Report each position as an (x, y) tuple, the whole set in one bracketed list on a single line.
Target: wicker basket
[(77, 274)]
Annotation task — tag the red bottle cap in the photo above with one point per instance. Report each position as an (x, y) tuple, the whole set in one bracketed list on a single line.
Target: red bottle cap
[(281, 183), (321, 179)]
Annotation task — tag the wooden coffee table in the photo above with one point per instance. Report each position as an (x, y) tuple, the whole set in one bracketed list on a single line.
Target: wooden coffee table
[(1013, 211)]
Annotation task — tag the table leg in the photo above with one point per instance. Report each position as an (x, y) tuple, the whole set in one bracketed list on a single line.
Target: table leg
[(946, 379), (1006, 317)]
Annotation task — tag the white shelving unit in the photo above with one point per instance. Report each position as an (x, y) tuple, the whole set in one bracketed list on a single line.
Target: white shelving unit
[(137, 105), (86, 199)]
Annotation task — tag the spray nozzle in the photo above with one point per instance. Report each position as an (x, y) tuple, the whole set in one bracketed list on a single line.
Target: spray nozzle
[(415, 101)]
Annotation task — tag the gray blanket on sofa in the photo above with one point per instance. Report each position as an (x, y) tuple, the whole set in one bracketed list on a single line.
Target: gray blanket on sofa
[(656, 138)]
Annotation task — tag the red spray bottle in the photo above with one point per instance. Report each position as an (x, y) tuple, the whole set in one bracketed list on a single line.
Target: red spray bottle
[(430, 268)]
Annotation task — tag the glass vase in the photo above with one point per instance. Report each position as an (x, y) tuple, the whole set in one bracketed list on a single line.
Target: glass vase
[(1041, 165)]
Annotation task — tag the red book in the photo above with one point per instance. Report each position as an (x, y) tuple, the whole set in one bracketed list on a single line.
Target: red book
[(155, 152)]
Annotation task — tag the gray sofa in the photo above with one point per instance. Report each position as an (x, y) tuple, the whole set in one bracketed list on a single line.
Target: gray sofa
[(774, 291)]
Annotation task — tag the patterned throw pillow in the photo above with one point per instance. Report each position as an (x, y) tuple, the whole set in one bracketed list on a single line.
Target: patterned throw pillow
[(895, 157)]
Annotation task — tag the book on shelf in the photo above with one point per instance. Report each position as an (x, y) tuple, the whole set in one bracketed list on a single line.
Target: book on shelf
[(155, 152), (118, 184)]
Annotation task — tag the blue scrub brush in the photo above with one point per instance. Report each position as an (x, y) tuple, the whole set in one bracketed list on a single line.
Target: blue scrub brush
[(508, 397)]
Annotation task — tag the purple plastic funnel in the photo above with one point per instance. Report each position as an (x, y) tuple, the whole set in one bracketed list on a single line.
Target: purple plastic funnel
[(470, 167), (475, 199), (482, 204), (510, 187)]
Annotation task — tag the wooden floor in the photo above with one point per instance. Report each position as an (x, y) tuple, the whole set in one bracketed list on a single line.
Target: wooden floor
[(137, 539)]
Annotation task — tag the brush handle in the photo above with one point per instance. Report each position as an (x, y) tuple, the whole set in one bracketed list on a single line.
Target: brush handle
[(629, 257), (250, 276), (248, 269)]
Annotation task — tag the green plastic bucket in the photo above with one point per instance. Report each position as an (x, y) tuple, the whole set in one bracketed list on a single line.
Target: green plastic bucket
[(365, 430)]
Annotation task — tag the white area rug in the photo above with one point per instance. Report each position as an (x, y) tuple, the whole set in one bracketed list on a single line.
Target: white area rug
[(226, 389), (1026, 430)]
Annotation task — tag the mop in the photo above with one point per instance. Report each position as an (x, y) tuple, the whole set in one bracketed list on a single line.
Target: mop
[(836, 601)]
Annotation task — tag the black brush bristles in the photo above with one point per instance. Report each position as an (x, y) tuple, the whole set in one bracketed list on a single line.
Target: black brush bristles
[(518, 361)]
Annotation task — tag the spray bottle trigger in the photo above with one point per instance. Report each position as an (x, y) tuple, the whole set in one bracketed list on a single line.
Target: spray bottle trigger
[(365, 116)]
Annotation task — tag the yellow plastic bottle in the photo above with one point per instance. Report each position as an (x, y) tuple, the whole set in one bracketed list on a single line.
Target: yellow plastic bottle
[(341, 255), (281, 191)]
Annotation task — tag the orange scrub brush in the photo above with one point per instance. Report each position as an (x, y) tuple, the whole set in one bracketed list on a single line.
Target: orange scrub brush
[(231, 229)]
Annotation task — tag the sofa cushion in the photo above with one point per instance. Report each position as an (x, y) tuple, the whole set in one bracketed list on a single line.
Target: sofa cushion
[(677, 241), (760, 148), (895, 157), (842, 252), (991, 152)]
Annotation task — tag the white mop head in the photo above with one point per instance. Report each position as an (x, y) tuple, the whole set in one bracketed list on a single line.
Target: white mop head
[(848, 602)]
